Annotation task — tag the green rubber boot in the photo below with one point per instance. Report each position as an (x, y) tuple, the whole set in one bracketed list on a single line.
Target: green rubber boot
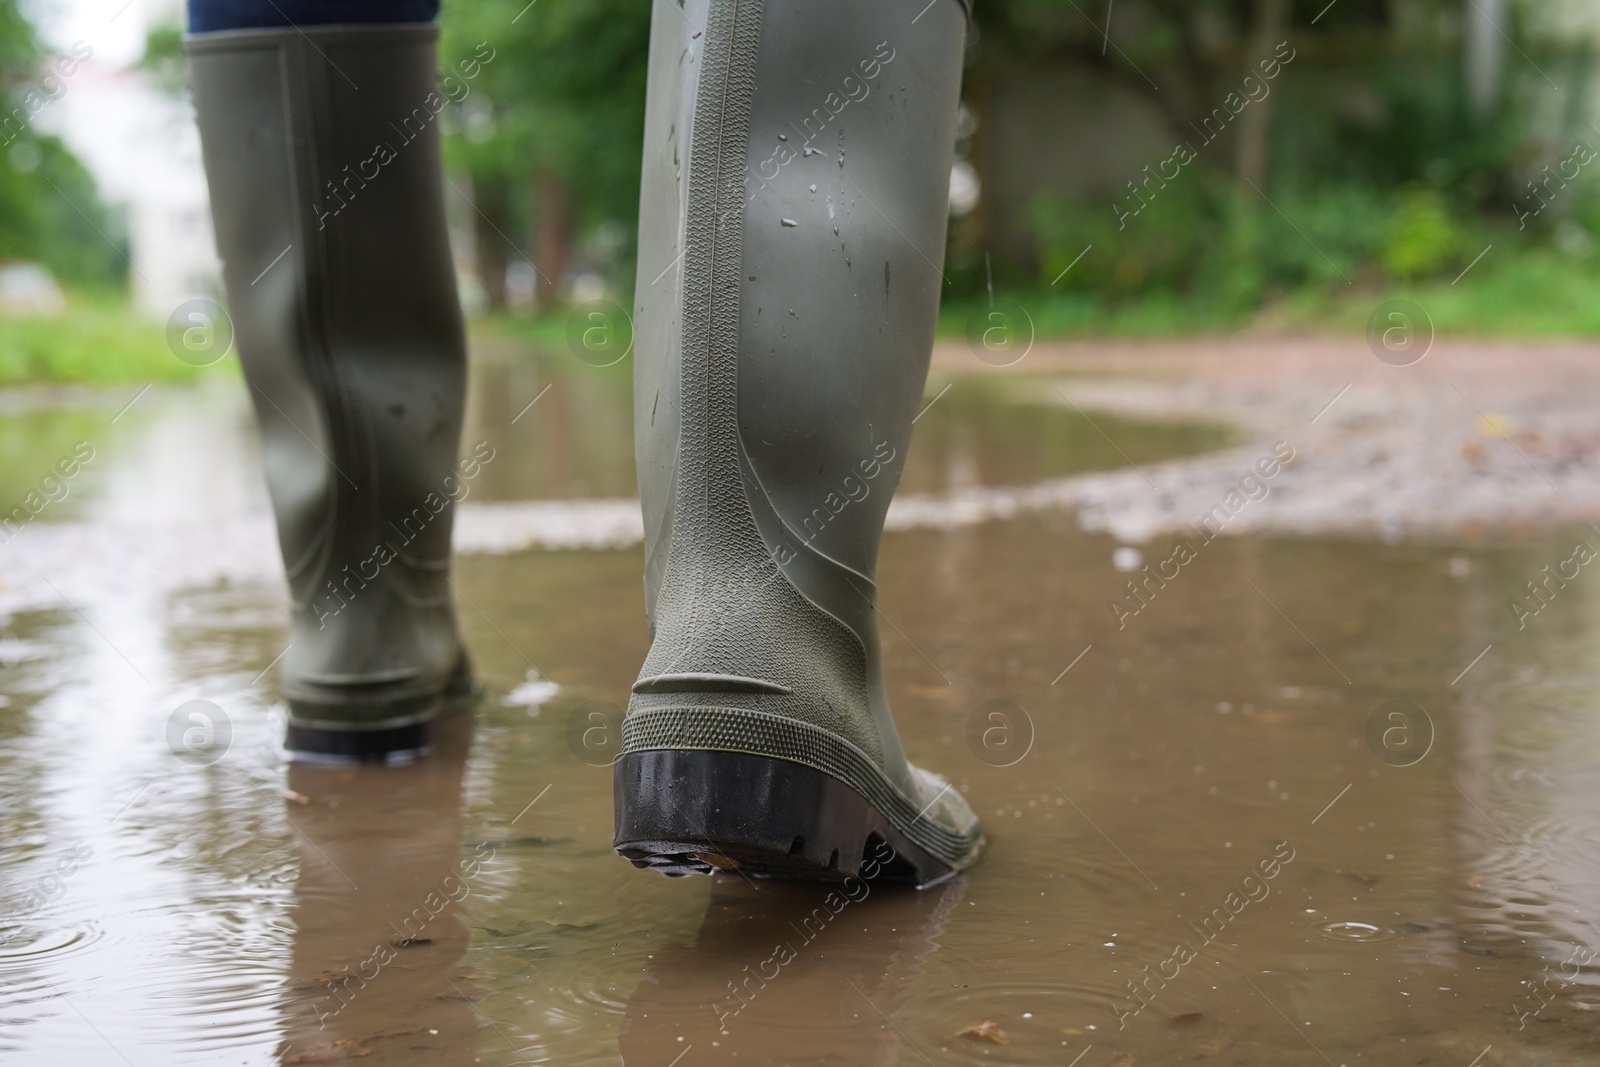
[(322, 154), (792, 223)]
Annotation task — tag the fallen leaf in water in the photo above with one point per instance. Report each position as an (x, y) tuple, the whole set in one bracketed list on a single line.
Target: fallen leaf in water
[(1187, 1017), (1494, 425), (984, 1030), (346, 1048), (411, 942), (332, 978)]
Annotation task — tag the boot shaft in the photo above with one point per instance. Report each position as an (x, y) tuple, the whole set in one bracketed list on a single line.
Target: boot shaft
[(322, 154), (792, 229), (792, 221)]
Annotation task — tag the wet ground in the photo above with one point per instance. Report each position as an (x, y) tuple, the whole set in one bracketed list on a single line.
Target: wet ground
[(1304, 801)]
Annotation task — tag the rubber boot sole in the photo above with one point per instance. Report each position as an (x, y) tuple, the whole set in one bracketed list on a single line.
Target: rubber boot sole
[(400, 731), (697, 812)]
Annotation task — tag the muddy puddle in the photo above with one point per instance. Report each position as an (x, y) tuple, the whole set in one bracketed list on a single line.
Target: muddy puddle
[(1314, 801)]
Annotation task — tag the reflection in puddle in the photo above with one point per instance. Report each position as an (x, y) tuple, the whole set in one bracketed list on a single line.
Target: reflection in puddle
[(576, 441), (469, 909), (762, 948), (383, 884)]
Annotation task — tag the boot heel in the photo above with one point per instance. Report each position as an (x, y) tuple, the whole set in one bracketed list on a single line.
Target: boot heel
[(390, 732), (697, 812)]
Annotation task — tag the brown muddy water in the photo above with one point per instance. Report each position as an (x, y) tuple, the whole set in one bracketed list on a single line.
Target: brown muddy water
[(1316, 802)]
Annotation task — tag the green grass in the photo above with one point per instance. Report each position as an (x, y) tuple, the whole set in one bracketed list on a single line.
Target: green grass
[(545, 330), (1511, 292), (1532, 293), (1057, 316), (1538, 293), (96, 340)]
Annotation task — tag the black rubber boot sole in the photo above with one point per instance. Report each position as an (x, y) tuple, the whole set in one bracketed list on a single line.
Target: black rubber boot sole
[(697, 812), (411, 739)]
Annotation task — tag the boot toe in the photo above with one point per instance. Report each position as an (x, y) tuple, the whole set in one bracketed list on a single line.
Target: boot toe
[(943, 804)]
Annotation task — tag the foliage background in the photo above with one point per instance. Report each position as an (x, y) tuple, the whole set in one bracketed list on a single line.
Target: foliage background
[(1374, 149), (1377, 168), (49, 210)]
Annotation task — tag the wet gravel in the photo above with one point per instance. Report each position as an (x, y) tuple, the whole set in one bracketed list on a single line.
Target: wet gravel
[(1477, 440)]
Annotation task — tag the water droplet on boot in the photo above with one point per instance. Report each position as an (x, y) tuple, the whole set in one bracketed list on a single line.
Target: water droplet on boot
[(788, 222)]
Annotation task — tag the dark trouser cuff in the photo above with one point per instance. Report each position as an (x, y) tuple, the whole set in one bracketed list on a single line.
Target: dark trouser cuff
[(209, 16)]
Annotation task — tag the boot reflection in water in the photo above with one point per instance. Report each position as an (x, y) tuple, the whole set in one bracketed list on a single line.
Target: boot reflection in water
[(321, 146), (379, 931), (796, 182), (791, 974)]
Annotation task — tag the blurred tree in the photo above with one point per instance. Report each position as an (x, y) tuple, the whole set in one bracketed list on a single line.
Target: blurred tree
[(163, 60), (556, 116), (1401, 125), (1484, 53), (1256, 122), (491, 193), (1398, 119), (49, 210)]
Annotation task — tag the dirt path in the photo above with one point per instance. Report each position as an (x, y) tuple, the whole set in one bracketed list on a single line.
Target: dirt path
[(1477, 439)]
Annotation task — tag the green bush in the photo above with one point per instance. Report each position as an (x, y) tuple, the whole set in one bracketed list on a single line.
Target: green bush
[(1422, 238), (1198, 237), (1156, 249)]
